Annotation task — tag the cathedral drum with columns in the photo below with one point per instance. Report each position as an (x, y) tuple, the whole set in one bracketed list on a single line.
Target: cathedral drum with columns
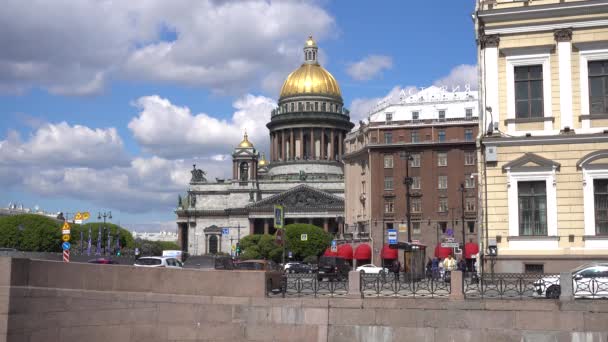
[(304, 171)]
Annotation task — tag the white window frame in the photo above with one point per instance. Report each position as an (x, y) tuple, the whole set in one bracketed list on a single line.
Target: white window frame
[(534, 243), (525, 60), (587, 56), (589, 206), (419, 159), (439, 163), (472, 112), (391, 158), (465, 158), (439, 178), (419, 183)]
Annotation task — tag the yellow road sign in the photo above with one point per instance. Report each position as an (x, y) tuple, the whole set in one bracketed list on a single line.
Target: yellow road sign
[(65, 237), (78, 216), (66, 225), (86, 215)]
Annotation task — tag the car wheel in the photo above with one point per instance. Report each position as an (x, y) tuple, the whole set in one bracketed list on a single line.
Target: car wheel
[(553, 291)]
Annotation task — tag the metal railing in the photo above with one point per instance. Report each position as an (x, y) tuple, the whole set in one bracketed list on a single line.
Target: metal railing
[(511, 285), (403, 285), (313, 285), (590, 288)]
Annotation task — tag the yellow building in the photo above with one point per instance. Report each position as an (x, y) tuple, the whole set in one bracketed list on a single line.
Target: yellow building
[(544, 136)]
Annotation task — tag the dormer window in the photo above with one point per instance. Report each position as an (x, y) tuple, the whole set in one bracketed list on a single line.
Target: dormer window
[(442, 115), (389, 117), (415, 115)]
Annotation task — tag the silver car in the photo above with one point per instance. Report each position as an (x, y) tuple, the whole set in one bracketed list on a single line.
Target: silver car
[(588, 281), (168, 262)]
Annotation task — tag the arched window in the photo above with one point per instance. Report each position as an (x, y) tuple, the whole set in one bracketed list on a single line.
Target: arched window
[(244, 171), (213, 244), (300, 107), (292, 106), (323, 107), (314, 55)]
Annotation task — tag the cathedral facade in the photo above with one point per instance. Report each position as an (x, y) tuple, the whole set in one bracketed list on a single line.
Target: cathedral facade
[(304, 171)]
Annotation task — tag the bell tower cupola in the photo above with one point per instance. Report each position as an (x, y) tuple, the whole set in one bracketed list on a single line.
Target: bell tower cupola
[(310, 51)]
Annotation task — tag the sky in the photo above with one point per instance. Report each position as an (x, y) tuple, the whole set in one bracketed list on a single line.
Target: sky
[(105, 105)]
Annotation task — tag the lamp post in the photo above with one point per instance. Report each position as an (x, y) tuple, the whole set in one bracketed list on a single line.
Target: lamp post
[(408, 184), (105, 215), (462, 190)]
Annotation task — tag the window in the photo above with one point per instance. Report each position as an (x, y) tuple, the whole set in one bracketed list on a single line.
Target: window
[(529, 91), (415, 162), (534, 268), (442, 159), (443, 182), (416, 204), (388, 183), (443, 205), (415, 137), (442, 115), (469, 158), (600, 190), (598, 87), (468, 113), (292, 107), (388, 161), (471, 226), (469, 204), (532, 208), (469, 182), (468, 134), (388, 138), (415, 182), (389, 117), (415, 227), (415, 115), (300, 106), (389, 205), (308, 107), (323, 107), (443, 226), (316, 106), (441, 135)]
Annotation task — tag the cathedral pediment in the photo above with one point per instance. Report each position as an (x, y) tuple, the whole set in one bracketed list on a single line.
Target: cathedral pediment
[(300, 198), (531, 162)]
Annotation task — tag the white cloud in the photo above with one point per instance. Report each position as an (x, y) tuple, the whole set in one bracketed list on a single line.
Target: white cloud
[(171, 131), (369, 67), (64, 145), (73, 48), (460, 76)]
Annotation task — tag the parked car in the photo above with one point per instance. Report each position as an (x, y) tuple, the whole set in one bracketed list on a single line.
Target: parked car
[(224, 263), (154, 261), (372, 269), (288, 265), (104, 261), (300, 268), (588, 280), (274, 278), (333, 268)]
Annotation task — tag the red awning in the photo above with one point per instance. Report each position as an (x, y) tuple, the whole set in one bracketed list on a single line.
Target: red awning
[(345, 251), (328, 252), (470, 249), (442, 252), (363, 252), (388, 253)]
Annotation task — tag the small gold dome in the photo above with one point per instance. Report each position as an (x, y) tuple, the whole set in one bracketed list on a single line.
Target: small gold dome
[(245, 143), (311, 42), (263, 161), (310, 79)]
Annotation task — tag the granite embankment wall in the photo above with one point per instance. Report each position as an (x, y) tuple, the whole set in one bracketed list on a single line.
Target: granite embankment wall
[(51, 301)]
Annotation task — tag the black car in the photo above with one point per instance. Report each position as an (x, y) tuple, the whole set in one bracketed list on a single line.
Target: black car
[(300, 268), (333, 268)]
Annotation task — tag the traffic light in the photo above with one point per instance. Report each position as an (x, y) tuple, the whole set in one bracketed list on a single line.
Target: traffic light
[(118, 252), (238, 249), (492, 247)]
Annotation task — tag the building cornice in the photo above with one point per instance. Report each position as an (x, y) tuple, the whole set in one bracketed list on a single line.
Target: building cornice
[(545, 140), (556, 10)]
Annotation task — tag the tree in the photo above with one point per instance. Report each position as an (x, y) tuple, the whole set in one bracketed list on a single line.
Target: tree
[(126, 238), (260, 247), (316, 242), (30, 232)]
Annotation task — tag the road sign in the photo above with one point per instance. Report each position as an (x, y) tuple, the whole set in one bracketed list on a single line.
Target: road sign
[(290, 255), (66, 225), (66, 255), (225, 231), (450, 239), (65, 237), (334, 246), (78, 216), (402, 228), (450, 244), (66, 246), (392, 236), (65, 231), (304, 237), (233, 247), (449, 232), (85, 216), (416, 242), (279, 216)]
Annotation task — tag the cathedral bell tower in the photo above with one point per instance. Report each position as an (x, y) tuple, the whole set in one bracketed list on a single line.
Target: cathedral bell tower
[(245, 162)]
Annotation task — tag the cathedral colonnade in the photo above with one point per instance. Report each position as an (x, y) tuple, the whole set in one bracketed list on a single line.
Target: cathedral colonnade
[(315, 143), (265, 225)]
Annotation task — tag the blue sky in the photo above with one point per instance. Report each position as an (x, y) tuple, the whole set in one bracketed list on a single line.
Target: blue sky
[(105, 105)]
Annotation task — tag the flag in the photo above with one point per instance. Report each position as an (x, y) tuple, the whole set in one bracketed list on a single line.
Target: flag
[(89, 244)]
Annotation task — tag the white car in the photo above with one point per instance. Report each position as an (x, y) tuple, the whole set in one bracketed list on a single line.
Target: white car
[(371, 269), (588, 281), (288, 265), (168, 262)]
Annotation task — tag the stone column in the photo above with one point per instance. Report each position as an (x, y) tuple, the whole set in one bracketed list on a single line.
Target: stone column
[(251, 226), (456, 290), (271, 146), (283, 145), (563, 38), (292, 146), (354, 284), (326, 225), (276, 146), (322, 143), (489, 45), (301, 143), (266, 226), (566, 287), (331, 145), (340, 140)]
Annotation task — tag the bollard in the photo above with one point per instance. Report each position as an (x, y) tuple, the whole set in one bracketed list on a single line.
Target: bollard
[(354, 284), (456, 290), (565, 284)]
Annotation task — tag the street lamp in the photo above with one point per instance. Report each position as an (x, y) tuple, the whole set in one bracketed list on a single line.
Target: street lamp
[(408, 184), (105, 215), (462, 190)]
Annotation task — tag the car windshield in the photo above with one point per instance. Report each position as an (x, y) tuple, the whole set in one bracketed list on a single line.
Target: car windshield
[(147, 262)]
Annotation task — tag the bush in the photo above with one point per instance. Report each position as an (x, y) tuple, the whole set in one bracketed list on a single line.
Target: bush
[(317, 240), (260, 247), (311, 259), (30, 232)]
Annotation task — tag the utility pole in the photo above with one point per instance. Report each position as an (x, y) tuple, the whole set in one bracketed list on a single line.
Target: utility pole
[(462, 190), (408, 185)]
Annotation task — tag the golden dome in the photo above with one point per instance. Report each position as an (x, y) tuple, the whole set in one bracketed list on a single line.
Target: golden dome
[(310, 79), (245, 143), (263, 161), (311, 42)]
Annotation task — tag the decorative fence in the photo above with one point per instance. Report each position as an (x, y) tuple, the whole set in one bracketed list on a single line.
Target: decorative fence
[(313, 285), (590, 288), (389, 285), (511, 285)]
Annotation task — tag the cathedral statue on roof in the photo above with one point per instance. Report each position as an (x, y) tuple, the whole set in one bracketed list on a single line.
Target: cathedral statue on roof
[(304, 170)]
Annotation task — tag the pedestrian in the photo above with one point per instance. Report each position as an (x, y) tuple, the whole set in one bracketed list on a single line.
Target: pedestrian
[(450, 263), (462, 265), (435, 267), (441, 269), (429, 268), (396, 268)]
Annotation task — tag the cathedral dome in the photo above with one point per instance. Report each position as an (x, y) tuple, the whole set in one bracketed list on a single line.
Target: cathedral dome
[(310, 78), (245, 143)]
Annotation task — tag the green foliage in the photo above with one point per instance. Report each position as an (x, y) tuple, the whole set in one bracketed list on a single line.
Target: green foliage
[(126, 239), (156, 247), (30, 232), (260, 247), (311, 259), (317, 241)]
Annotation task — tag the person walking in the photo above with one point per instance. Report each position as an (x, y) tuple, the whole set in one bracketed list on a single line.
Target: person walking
[(396, 268), (435, 268)]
